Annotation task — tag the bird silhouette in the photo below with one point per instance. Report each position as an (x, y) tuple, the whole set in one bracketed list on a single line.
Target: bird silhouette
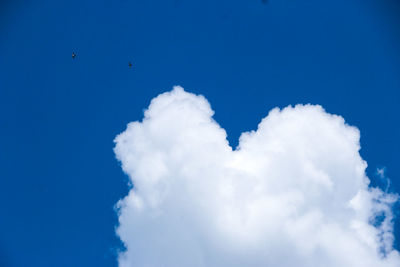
[(73, 55)]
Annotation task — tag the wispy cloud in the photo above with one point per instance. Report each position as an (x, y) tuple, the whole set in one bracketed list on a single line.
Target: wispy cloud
[(381, 173)]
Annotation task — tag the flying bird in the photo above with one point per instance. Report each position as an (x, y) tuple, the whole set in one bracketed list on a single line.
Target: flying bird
[(130, 64), (73, 55)]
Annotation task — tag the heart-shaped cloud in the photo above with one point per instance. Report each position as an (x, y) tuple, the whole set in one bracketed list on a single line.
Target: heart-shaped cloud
[(294, 192)]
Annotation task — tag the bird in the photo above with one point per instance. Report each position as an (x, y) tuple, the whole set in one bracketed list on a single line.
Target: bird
[(130, 64), (73, 55)]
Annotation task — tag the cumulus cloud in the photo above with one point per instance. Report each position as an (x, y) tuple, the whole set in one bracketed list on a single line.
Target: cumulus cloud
[(293, 193)]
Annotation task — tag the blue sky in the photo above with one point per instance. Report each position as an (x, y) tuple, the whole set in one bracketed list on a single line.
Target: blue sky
[(59, 179)]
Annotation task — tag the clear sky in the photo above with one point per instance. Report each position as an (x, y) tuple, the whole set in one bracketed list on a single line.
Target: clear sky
[(59, 179)]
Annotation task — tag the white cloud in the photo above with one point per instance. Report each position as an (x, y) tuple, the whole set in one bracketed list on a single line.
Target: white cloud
[(294, 193), (381, 173)]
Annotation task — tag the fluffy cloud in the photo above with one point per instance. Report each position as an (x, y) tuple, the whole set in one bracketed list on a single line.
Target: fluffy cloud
[(294, 192)]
